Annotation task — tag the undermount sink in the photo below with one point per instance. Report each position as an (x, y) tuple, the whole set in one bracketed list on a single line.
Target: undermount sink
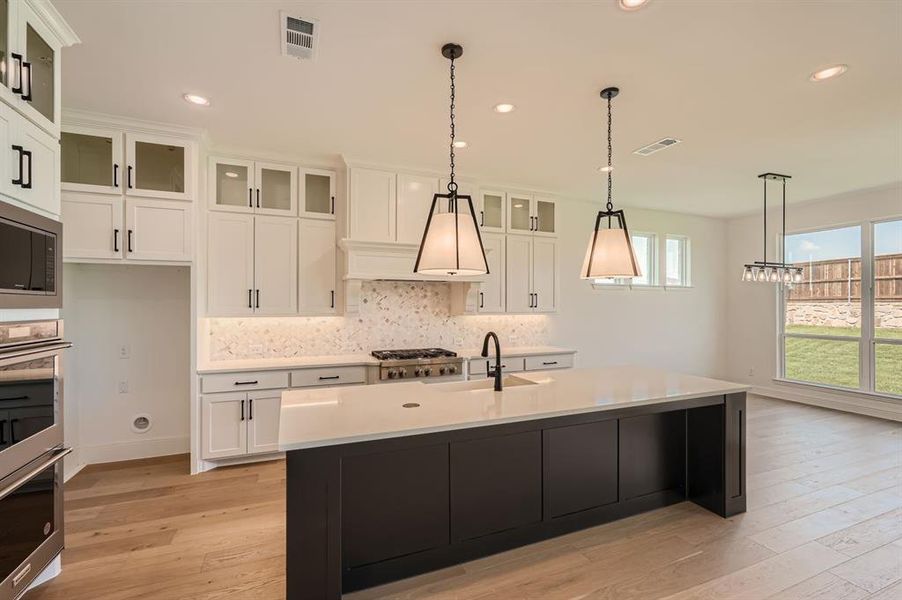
[(482, 384)]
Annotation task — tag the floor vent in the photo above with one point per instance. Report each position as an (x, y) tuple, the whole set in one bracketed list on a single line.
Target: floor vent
[(300, 37), (656, 146)]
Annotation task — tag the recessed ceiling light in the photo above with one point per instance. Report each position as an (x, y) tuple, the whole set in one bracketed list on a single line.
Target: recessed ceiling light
[(632, 4), (605, 169), (460, 144), (828, 72), (504, 107), (196, 99), (231, 174)]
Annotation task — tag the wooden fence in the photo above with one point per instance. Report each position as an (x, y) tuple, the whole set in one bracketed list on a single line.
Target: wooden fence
[(840, 280)]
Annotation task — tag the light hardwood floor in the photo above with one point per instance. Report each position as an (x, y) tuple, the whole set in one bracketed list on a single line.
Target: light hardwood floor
[(824, 521)]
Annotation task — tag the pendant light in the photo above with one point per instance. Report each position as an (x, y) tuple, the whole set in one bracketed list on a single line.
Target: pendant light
[(771, 271), (610, 252), (451, 242)]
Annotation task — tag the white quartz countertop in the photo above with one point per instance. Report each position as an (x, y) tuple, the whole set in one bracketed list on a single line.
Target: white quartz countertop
[(515, 351), (294, 362), (328, 416)]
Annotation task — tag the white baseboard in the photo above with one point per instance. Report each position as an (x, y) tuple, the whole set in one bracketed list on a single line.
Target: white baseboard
[(132, 450), (844, 401)]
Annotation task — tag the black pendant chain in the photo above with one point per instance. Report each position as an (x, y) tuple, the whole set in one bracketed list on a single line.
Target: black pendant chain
[(610, 206), (452, 185)]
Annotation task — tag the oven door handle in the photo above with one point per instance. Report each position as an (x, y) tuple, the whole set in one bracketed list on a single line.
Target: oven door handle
[(32, 352), (58, 455)]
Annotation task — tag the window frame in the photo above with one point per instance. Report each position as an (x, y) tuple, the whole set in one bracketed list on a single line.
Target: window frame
[(867, 339), (685, 261)]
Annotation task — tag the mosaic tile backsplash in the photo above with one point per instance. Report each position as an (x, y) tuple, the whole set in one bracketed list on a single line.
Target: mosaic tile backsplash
[(393, 314)]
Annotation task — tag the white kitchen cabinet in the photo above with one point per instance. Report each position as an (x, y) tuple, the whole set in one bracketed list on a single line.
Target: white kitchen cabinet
[(232, 183), (316, 264), (8, 156), (276, 189), (93, 226), (492, 210), (415, 195), (317, 193), (230, 264), (263, 410), (158, 230), (546, 362), (531, 274), (544, 275), (158, 166), (535, 215), (32, 163), (91, 160), (275, 266), (372, 207), (492, 291), (224, 427)]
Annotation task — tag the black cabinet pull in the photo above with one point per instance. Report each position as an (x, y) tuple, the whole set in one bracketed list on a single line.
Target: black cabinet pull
[(481, 300), (130, 234), (550, 362), (12, 431), (129, 182), (537, 301), (27, 95), (242, 410), (115, 175), (27, 153), (254, 382), (332, 207), (258, 197), (332, 299), (326, 378), (18, 180), (250, 298), (2, 434), (482, 218), (17, 58), (250, 197), (115, 240), (250, 409), (258, 298)]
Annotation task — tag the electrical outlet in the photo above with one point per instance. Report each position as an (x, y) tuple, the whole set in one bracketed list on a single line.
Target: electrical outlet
[(124, 351), (255, 348), (751, 372), (123, 387)]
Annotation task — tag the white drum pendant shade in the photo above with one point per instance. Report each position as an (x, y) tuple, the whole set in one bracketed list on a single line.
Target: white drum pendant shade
[(609, 254), (451, 244)]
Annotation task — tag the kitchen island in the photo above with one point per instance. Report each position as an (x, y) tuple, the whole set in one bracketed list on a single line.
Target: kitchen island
[(387, 481)]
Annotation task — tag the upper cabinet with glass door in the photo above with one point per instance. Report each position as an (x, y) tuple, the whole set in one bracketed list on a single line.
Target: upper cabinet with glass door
[(32, 33), (158, 166), (492, 205), (536, 215), (91, 160), (253, 187), (317, 193)]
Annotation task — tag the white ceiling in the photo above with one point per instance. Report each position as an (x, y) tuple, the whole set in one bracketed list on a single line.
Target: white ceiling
[(728, 78)]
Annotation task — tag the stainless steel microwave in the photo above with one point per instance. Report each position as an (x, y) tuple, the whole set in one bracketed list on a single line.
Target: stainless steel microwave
[(30, 259)]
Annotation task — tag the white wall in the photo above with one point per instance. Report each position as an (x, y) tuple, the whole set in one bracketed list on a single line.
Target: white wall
[(751, 332), (147, 309)]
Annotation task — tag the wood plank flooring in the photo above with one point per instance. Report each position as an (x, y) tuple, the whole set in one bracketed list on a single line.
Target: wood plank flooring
[(824, 522)]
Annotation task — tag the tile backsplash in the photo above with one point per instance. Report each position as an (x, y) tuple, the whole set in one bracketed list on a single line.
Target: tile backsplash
[(393, 314)]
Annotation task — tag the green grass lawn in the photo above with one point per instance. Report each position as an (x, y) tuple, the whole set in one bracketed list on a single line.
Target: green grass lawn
[(836, 363)]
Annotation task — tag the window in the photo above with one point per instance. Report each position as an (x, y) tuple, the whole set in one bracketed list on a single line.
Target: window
[(836, 331), (644, 249), (677, 261)]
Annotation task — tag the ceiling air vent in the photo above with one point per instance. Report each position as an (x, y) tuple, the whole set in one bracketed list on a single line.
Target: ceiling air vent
[(300, 37), (656, 146)]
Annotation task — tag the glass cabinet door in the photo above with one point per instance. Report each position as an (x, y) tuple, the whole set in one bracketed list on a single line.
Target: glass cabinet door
[(544, 221), (317, 193), (233, 182), (276, 189), (33, 71), (491, 211), (5, 49), (156, 167), (90, 160), (38, 71), (520, 215)]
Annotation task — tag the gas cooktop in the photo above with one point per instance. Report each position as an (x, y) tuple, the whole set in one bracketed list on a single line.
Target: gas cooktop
[(413, 353), (418, 362)]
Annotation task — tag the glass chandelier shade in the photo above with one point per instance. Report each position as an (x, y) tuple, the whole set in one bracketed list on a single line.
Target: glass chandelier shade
[(610, 250), (451, 243), (772, 271)]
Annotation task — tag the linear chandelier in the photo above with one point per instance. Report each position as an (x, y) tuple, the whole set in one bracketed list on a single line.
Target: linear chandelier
[(451, 243), (772, 271), (610, 251)]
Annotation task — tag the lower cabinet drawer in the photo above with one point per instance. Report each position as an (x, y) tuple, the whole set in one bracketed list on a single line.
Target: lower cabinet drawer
[(481, 366), (554, 361), (242, 382), (328, 376)]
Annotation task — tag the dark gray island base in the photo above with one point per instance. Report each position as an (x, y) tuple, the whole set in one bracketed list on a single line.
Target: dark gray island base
[(366, 513)]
